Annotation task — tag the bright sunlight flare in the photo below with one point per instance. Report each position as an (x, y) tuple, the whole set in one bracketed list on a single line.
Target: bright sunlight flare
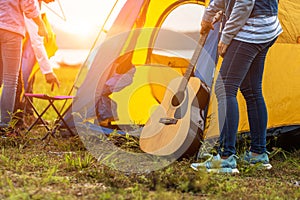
[(81, 18)]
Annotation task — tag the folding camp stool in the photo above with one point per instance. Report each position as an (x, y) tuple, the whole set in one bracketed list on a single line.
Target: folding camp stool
[(60, 114)]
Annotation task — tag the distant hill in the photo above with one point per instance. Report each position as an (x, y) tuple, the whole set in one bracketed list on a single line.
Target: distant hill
[(179, 41), (66, 40)]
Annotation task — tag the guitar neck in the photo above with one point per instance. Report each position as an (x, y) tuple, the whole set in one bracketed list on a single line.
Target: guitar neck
[(192, 63)]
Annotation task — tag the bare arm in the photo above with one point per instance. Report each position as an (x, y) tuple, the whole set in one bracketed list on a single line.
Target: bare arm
[(42, 31), (37, 43), (31, 10)]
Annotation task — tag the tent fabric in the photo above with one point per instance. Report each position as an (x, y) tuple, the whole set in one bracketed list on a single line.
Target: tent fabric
[(84, 104), (289, 17), (141, 45), (136, 101), (123, 24), (106, 107), (205, 67)]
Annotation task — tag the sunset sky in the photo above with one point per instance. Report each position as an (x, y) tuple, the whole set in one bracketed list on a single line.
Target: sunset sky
[(82, 17), (86, 17), (76, 33)]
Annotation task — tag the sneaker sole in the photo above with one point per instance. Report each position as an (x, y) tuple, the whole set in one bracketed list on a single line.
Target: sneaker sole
[(194, 167), (220, 170), (265, 166), (224, 170)]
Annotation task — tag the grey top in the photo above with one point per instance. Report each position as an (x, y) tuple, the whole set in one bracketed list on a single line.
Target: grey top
[(236, 16)]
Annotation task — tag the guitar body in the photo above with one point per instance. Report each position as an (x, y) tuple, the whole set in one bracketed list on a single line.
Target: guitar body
[(175, 129)]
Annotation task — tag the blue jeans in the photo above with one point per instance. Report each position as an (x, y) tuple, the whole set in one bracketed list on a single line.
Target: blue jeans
[(27, 64), (242, 68), (10, 59)]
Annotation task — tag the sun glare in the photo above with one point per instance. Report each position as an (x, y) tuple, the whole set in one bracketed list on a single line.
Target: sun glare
[(81, 28), (83, 17)]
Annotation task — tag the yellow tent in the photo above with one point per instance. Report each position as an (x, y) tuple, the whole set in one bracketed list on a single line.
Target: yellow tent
[(160, 51), (136, 30)]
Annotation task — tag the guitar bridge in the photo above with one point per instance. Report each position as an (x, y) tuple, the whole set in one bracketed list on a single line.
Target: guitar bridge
[(168, 121)]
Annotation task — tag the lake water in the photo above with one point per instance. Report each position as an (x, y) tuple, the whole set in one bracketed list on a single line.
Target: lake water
[(70, 56), (78, 56)]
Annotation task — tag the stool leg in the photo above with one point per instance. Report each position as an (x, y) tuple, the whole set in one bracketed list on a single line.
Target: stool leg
[(38, 115), (61, 117)]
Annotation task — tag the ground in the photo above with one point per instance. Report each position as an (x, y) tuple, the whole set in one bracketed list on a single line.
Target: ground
[(62, 168)]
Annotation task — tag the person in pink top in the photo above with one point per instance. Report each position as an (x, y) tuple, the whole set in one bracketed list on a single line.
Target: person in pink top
[(12, 32), (33, 51)]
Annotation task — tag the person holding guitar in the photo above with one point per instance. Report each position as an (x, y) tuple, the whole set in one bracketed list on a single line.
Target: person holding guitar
[(251, 28)]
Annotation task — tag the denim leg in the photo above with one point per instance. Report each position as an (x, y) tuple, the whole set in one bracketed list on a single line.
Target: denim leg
[(1, 62), (28, 61), (235, 66), (251, 89), (11, 44)]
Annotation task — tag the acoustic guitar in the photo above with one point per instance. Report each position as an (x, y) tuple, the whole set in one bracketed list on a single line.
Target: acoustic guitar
[(176, 127)]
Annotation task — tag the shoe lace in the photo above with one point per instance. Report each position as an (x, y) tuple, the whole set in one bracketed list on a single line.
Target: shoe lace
[(209, 157)]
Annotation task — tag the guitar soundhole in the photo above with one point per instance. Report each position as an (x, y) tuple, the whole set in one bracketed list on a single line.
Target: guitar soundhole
[(177, 99)]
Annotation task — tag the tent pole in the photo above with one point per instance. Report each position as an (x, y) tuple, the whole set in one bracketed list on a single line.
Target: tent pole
[(63, 17)]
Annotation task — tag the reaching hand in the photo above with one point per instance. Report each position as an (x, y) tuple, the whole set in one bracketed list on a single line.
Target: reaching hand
[(206, 27), (52, 79), (217, 17), (222, 48)]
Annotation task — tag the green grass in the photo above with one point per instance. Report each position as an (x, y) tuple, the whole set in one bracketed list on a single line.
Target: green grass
[(59, 168)]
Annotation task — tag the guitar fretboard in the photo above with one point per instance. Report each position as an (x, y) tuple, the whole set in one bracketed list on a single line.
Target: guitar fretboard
[(192, 63)]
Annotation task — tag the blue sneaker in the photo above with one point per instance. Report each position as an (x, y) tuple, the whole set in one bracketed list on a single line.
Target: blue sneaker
[(218, 165), (260, 160), (3, 125)]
